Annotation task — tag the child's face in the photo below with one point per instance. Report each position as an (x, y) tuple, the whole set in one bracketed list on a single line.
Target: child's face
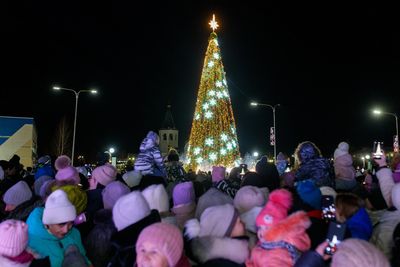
[(149, 255)]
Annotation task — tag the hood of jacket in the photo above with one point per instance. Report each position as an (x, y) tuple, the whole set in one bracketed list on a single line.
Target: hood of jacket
[(319, 170), (360, 225), (208, 248), (249, 218)]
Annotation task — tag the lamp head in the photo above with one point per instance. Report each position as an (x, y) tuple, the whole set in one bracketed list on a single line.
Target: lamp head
[(377, 111), (254, 104), (56, 88)]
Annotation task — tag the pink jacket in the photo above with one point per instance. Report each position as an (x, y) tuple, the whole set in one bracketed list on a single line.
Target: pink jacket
[(344, 167), (292, 230)]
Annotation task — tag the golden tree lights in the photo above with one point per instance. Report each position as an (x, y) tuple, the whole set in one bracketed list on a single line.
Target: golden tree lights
[(213, 139)]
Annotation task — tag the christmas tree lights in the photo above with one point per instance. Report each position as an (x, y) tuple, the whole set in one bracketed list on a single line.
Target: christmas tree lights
[(213, 139)]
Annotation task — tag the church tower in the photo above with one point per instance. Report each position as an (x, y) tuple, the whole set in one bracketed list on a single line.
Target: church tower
[(168, 133)]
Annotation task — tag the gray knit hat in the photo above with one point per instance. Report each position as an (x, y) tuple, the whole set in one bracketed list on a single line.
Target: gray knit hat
[(18, 194), (39, 182)]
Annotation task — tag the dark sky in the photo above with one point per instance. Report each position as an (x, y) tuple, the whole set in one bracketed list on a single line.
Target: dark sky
[(326, 65)]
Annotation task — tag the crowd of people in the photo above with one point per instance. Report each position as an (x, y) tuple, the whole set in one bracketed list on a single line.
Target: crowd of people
[(157, 214)]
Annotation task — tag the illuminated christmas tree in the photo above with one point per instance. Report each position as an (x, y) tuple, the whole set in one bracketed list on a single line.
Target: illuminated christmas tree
[(213, 139)]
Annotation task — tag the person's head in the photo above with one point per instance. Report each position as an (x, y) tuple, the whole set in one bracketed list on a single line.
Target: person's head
[(306, 151), (16, 195), (219, 221), (276, 209), (103, 175), (218, 173), (358, 252), (59, 214), (183, 194), (76, 196), (66, 174), (113, 192), (347, 204), (159, 245), (248, 197), (14, 238), (309, 193), (157, 197)]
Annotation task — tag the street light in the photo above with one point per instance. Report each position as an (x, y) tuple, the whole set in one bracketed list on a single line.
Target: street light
[(273, 113), (255, 154), (92, 91), (111, 150), (379, 112)]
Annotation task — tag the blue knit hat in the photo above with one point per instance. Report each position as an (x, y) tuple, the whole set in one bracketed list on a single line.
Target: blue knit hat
[(309, 193)]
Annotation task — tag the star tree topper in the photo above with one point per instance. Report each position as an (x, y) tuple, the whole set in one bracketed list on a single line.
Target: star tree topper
[(213, 23)]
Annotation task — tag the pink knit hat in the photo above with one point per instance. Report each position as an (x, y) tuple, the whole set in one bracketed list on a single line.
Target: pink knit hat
[(105, 174), (14, 238), (279, 202), (166, 237), (358, 252), (249, 197), (113, 192), (218, 173), (183, 193)]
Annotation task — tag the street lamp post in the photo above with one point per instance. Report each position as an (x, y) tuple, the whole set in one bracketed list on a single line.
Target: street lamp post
[(273, 113), (379, 112), (76, 113)]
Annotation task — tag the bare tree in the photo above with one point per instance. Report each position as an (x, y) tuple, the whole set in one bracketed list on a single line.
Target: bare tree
[(62, 138)]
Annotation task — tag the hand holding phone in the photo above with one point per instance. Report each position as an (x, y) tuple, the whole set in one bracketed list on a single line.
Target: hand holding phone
[(336, 233)]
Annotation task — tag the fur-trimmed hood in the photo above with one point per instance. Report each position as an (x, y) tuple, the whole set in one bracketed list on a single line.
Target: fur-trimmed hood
[(208, 248)]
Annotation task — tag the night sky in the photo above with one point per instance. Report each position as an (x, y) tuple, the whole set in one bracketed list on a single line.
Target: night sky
[(327, 66)]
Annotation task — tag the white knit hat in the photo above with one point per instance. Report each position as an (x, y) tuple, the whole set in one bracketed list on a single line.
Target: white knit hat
[(18, 194), (58, 209), (132, 178), (130, 209), (157, 197), (342, 149)]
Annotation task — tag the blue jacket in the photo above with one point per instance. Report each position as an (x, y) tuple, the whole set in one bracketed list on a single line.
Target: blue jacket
[(45, 170), (360, 225), (46, 244)]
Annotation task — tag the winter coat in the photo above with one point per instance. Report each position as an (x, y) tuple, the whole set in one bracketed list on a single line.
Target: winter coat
[(319, 170), (46, 244), (383, 231), (174, 170), (344, 169), (360, 225), (123, 242), (207, 248), (310, 259), (283, 243), (269, 174), (149, 158), (226, 187), (23, 210), (386, 183), (184, 213)]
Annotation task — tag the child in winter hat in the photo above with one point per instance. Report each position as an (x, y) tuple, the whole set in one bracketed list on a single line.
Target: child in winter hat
[(16, 195), (39, 182), (218, 173), (342, 149), (13, 242), (113, 192), (276, 209), (160, 245), (104, 174), (66, 173), (58, 209)]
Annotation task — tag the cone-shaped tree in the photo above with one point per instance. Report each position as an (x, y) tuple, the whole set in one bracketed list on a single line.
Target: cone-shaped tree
[(213, 139)]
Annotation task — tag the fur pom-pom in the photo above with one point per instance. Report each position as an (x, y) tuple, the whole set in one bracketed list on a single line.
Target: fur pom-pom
[(62, 162), (192, 229), (282, 198)]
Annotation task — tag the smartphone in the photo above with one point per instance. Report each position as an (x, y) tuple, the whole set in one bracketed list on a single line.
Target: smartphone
[(336, 234), (377, 150), (328, 208)]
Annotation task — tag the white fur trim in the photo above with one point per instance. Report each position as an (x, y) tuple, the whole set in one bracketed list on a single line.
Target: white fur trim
[(192, 228)]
